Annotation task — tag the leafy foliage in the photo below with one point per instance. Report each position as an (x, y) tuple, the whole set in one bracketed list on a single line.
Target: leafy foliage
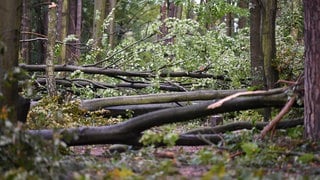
[(25, 156), (157, 136), (55, 112)]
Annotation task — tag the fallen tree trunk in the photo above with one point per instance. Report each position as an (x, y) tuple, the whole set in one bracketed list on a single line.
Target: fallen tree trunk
[(129, 132), (136, 110), (116, 72), (209, 136), (99, 85), (94, 104), (244, 125)]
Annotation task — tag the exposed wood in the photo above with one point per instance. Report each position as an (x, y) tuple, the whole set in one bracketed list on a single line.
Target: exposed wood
[(220, 102), (129, 132)]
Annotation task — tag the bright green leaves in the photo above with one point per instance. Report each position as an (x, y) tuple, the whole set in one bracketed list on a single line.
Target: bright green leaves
[(250, 149), (151, 137), (306, 158)]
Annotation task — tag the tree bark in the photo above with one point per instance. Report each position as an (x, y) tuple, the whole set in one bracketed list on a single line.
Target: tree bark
[(72, 51), (79, 26), (229, 22), (256, 56), (244, 125), (99, 16), (63, 21), (243, 20), (312, 69), (25, 27), (268, 42), (167, 10), (112, 6), (98, 85), (10, 18), (94, 104), (50, 76)]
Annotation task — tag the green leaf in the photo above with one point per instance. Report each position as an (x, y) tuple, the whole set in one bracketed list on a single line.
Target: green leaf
[(250, 148), (306, 158)]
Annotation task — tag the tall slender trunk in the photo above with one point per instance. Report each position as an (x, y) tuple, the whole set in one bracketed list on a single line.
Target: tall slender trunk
[(25, 28), (229, 22), (71, 48), (99, 16), (63, 29), (256, 55), (78, 27), (168, 9), (112, 5), (268, 42), (243, 20), (50, 77)]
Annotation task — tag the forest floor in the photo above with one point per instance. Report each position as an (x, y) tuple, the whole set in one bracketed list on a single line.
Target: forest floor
[(282, 158)]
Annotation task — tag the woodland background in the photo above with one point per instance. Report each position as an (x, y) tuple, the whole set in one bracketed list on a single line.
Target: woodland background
[(153, 80)]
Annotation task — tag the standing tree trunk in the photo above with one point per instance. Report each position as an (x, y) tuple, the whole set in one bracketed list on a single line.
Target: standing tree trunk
[(312, 69), (78, 27), (9, 51), (256, 55), (269, 46), (167, 10), (112, 6), (99, 16), (25, 28), (72, 21), (63, 28), (50, 77), (229, 22), (268, 41), (39, 22), (243, 20)]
